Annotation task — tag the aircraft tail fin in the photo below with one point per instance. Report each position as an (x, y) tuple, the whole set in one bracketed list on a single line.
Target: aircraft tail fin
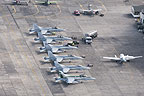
[(41, 36), (51, 55), (46, 58), (36, 27), (48, 47)]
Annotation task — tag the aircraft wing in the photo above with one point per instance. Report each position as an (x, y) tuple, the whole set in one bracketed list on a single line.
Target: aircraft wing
[(65, 70), (54, 50), (43, 31), (70, 80), (97, 10), (59, 59), (86, 10), (112, 58), (132, 57), (43, 43), (49, 40)]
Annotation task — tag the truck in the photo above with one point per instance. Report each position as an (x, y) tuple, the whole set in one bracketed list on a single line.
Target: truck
[(76, 12), (88, 37), (92, 34), (87, 40)]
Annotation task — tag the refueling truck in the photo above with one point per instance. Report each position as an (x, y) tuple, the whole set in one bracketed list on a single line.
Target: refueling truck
[(87, 40), (88, 37)]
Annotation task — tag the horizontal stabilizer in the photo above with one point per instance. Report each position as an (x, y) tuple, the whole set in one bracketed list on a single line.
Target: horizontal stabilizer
[(46, 58), (42, 49)]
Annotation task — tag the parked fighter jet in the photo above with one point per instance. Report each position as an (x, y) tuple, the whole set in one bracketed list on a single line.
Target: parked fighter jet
[(46, 2), (90, 11), (53, 57), (72, 79), (122, 58), (56, 49), (49, 40), (19, 2), (44, 31), (66, 69)]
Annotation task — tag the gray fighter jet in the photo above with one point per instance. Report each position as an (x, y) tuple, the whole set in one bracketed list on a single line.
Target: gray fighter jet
[(72, 79), (53, 39), (44, 31), (19, 2), (66, 69), (46, 2), (56, 48), (53, 57)]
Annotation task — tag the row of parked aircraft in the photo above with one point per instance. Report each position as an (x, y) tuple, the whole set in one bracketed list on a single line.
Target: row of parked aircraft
[(47, 41)]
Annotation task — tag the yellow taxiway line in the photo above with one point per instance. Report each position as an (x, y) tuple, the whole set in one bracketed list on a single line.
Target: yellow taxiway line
[(103, 6)]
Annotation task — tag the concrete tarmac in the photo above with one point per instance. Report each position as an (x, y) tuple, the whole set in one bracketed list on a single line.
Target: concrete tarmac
[(23, 72)]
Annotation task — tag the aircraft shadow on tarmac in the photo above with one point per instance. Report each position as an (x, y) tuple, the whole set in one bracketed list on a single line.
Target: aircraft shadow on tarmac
[(44, 4), (27, 34), (43, 63), (49, 73), (22, 4), (68, 61), (38, 52), (34, 43), (57, 83), (117, 64), (135, 25), (64, 84), (128, 15)]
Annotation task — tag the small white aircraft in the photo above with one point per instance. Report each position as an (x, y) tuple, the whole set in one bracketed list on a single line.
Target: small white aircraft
[(122, 58), (90, 11)]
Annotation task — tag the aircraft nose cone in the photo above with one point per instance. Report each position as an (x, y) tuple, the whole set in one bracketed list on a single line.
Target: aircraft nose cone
[(78, 57), (93, 78), (87, 67), (68, 38), (62, 29)]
